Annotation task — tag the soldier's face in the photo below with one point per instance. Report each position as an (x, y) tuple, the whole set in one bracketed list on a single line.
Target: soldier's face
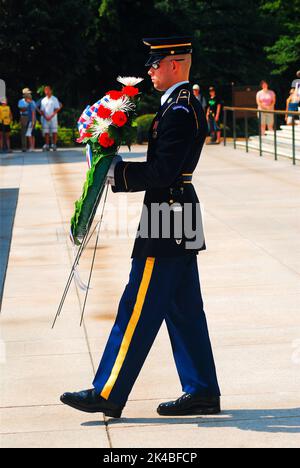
[(163, 77)]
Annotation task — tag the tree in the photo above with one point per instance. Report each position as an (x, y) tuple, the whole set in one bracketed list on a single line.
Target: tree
[(285, 52), (81, 47), (42, 42)]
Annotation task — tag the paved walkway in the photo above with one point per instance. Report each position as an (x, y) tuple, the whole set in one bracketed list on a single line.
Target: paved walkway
[(250, 280)]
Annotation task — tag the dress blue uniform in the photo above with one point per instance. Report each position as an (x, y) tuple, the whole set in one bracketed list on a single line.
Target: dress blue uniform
[(164, 281)]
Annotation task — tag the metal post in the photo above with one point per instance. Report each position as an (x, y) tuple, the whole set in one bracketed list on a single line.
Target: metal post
[(94, 256), (234, 129), (247, 132), (225, 126), (275, 136), (294, 143), (83, 245), (260, 135)]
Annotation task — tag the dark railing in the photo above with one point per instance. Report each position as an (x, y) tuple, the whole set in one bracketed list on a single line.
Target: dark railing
[(248, 111)]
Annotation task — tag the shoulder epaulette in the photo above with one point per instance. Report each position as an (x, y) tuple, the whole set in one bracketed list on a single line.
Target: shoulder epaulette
[(182, 101), (184, 95)]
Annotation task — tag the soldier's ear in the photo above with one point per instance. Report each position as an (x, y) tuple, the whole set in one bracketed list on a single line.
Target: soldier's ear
[(175, 65)]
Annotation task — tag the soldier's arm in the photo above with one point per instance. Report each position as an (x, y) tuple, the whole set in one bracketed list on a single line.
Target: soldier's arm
[(178, 130)]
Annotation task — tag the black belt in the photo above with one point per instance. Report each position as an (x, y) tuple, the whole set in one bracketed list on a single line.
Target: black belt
[(182, 180), (177, 188), (186, 178)]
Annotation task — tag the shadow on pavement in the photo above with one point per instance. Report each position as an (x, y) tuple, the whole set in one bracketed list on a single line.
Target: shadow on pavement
[(41, 158), (65, 156), (272, 421), (8, 206)]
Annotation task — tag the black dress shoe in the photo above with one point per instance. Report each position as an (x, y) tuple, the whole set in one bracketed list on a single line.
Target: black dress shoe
[(90, 402), (189, 404)]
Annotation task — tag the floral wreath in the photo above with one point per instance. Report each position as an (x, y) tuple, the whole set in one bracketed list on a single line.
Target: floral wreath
[(103, 127)]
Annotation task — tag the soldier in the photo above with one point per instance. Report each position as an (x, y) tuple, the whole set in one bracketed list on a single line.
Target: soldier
[(164, 281)]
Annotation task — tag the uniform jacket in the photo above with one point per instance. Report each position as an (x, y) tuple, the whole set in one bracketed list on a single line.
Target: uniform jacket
[(176, 139)]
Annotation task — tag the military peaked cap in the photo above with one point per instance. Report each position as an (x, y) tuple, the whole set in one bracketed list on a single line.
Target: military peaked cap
[(161, 47)]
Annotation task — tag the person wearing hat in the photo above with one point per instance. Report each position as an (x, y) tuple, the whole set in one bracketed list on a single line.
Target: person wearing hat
[(23, 108), (6, 119), (199, 96), (164, 280)]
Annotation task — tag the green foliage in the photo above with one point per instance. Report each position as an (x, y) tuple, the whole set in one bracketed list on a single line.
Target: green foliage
[(81, 47), (143, 126), (149, 103), (93, 186), (285, 52), (66, 137)]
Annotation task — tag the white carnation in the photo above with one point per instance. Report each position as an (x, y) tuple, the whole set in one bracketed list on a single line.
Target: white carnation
[(100, 126), (124, 104), (129, 80)]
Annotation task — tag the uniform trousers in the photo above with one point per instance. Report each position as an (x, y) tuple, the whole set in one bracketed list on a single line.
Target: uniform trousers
[(159, 289)]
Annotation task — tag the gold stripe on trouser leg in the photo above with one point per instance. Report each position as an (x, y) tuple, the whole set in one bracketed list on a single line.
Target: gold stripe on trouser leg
[(137, 310)]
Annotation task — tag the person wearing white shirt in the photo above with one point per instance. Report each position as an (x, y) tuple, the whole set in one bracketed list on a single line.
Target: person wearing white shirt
[(49, 108)]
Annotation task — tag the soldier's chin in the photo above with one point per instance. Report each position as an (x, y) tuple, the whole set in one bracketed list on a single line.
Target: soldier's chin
[(157, 86)]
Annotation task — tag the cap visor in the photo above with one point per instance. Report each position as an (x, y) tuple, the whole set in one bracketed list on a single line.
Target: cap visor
[(152, 59)]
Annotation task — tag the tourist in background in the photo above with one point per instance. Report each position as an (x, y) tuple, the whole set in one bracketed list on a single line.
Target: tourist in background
[(49, 108), (266, 100), (296, 85), (198, 95), (31, 114), (296, 81), (6, 119), (292, 105), (22, 105), (213, 116)]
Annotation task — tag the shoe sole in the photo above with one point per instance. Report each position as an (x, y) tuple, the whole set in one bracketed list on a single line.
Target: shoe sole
[(109, 413), (192, 412)]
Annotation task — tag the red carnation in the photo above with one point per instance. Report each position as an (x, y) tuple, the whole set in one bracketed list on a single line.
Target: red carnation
[(105, 140), (119, 118), (130, 91), (104, 112), (83, 136), (114, 94)]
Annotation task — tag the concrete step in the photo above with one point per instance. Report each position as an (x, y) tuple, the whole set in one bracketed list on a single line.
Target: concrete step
[(284, 142), (285, 135), (269, 148), (289, 128)]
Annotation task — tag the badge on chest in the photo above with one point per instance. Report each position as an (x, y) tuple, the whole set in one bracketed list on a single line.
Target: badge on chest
[(154, 130)]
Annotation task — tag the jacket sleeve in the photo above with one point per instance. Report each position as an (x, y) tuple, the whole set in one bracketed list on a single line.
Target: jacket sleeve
[(177, 133)]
